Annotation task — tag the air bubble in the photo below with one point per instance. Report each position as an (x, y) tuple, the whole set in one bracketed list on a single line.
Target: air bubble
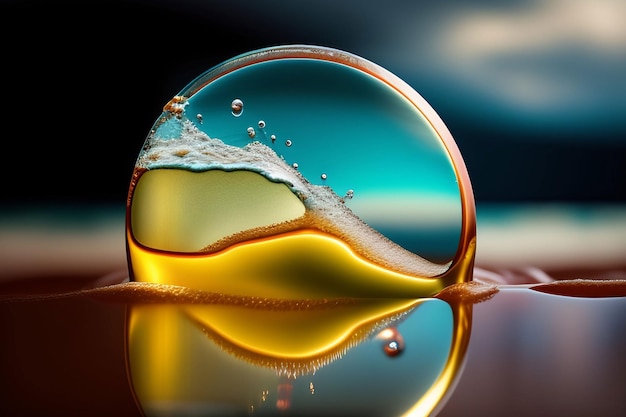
[(199, 117), (251, 132), (295, 165), (236, 107), (393, 342), (261, 124), (288, 143), (323, 176), (273, 138), (349, 195)]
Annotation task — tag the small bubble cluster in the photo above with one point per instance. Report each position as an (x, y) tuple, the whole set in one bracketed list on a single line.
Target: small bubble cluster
[(237, 109), (176, 105)]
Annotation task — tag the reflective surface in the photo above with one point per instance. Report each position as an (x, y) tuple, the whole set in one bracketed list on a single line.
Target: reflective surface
[(530, 354), (332, 360)]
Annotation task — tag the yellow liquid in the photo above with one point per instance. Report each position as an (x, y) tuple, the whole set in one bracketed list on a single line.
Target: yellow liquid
[(299, 265)]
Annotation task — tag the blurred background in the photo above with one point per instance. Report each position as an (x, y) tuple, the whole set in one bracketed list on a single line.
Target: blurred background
[(534, 93)]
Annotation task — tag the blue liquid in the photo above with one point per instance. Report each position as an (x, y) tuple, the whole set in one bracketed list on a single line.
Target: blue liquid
[(347, 130)]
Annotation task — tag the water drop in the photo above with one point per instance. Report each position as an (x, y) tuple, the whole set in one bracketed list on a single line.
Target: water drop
[(236, 107), (288, 143), (393, 342), (261, 124), (251, 132), (324, 176)]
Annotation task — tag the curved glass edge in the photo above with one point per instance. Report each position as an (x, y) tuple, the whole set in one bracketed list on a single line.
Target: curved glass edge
[(436, 397)]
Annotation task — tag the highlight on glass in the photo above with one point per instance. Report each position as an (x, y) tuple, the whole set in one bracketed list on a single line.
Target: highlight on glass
[(316, 203)]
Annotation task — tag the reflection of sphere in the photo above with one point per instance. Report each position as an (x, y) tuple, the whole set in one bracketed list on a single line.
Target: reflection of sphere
[(393, 342)]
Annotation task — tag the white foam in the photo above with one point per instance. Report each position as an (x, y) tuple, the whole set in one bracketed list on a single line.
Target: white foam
[(194, 150)]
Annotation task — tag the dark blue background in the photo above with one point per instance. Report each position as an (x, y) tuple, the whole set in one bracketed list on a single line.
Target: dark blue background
[(84, 81)]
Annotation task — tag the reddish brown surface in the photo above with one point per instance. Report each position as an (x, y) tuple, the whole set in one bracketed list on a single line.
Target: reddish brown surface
[(530, 353), (63, 357)]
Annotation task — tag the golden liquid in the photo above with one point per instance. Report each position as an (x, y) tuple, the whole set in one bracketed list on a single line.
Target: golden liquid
[(299, 265)]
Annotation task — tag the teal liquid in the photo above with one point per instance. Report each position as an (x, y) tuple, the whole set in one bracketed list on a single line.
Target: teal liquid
[(347, 130)]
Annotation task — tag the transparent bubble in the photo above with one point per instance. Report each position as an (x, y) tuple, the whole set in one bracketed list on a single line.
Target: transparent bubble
[(304, 283), (236, 107)]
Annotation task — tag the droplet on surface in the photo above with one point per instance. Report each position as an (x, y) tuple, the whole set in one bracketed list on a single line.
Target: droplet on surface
[(393, 342), (236, 107)]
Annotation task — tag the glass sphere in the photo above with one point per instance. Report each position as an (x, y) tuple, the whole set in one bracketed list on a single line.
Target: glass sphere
[(317, 203)]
